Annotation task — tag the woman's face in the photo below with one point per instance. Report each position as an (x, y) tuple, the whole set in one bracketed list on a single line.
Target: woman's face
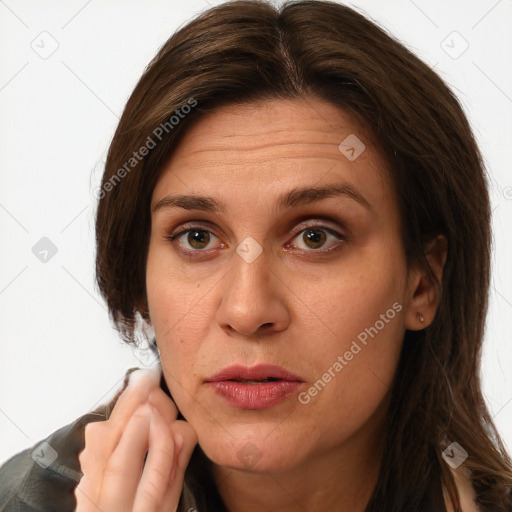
[(281, 272)]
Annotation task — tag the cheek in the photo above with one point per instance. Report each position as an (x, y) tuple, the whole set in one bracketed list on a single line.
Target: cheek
[(173, 302), (180, 323), (354, 370), (356, 317), (171, 309), (359, 298)]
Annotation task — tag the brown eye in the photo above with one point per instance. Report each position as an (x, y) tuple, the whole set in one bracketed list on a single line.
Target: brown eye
[(198, 239), (314, 238), (193, 240)]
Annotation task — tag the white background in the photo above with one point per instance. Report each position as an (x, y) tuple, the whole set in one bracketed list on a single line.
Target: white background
[(60, 356)]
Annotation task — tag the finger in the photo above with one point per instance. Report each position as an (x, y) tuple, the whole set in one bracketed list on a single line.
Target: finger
[(164, 405), (140, 384), (184, 430), (155, 480), (123, 470), (92, 460), (102, 438), (85, 501), (187, 432), (95, 450)]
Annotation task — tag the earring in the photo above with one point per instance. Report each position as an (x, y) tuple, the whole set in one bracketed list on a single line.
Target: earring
[(420, 317)]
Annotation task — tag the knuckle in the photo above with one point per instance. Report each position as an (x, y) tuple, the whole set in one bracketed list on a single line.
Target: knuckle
[(89, 430), (136, 394), (162, 402), (155, 394), (157, 478), (95, 438), (94, 435), (113, 469), (94, 430), (86, 462), (143, 411), (151, 495), (167, 448)]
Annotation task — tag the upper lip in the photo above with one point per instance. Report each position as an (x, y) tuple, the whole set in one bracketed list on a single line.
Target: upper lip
[(258, 372)]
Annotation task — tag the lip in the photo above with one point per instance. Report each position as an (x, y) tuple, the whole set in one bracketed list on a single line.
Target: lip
[(258, 372), (254, 395)]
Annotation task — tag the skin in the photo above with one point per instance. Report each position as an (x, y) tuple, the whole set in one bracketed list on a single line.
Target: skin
[(296, 305), (115, 477), (295, 308)]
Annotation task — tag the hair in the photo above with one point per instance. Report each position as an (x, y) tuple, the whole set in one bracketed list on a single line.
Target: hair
[(246, 51)]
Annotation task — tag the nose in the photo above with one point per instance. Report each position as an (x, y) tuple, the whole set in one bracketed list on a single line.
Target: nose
[(254, 298)]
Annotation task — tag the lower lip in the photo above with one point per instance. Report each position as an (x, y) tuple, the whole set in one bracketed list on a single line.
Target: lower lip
[(255, 396)]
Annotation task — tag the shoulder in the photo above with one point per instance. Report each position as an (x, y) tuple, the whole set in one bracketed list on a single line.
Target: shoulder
[(32, 479), (467, 496)]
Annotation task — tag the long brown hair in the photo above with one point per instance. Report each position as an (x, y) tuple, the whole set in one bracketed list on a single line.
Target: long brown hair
[(248, 50)]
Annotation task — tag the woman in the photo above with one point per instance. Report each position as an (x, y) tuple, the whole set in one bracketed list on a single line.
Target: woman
[(296, 205)]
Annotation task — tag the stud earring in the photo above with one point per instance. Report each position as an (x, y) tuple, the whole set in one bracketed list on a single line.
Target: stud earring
[(420, 317)]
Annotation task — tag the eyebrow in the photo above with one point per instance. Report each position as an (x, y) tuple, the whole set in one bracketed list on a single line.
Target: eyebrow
[(291, 199)]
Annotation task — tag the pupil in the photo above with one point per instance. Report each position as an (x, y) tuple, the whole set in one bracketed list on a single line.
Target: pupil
[(196, 238), (316, 237)]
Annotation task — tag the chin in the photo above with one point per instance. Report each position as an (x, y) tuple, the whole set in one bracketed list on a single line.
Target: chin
[(249, 451)]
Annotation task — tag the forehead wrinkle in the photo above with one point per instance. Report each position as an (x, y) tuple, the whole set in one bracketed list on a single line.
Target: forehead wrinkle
[(255, 147), (229, 157)]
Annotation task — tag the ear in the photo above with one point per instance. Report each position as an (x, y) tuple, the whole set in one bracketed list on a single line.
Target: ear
[(423, 293)]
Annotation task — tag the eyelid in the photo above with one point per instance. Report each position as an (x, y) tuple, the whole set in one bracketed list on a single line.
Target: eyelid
[(341, 239), (311, 223), (190, 226), (319, 223)]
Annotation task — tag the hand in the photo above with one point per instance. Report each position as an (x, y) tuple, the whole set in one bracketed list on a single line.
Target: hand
[(115, 476)]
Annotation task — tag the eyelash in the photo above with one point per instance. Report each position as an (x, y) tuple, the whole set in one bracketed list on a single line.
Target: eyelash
[(197, 253)]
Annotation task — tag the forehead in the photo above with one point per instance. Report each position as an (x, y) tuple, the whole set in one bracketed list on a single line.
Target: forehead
[(269, 146), (296, 125)]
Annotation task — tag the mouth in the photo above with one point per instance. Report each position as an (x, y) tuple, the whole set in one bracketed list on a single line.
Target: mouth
[(253, 381), (259, 387), (259, 373)]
